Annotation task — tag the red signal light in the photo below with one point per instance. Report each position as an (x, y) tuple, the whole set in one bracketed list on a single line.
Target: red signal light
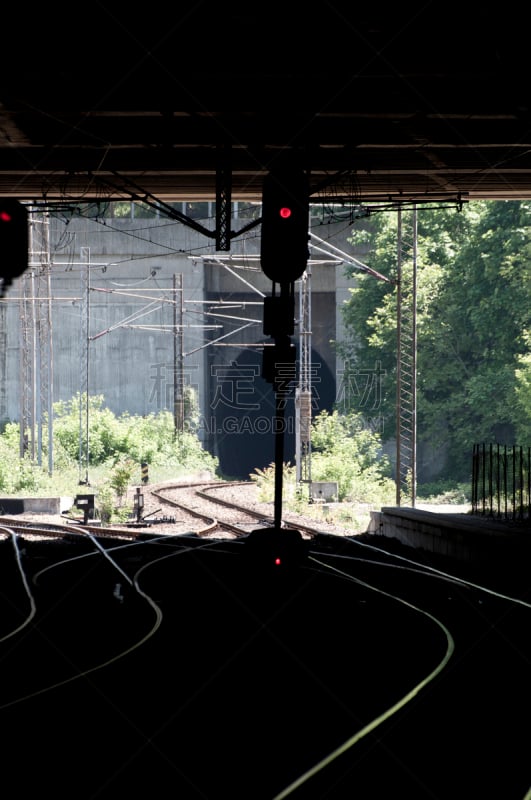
[(276, 551), (285, 217), (5, 217)]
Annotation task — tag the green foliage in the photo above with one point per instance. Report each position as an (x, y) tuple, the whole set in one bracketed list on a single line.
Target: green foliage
[(345, 451), (105, 504), (105, 431), (122, 476), (151, 438), (122, 209), (265, 480), (17, 473), (523, 399), (473, 328), (444, 492), (116, 448)]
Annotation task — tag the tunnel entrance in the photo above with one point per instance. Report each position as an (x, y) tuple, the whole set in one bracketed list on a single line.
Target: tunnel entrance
[(242, 410)]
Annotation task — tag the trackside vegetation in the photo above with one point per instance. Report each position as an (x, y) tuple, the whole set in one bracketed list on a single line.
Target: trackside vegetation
[(344, 450), (473, 328), (473, 380), (108, 457)]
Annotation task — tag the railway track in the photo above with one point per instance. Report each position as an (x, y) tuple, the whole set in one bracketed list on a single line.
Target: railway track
[(213, 515), (202, 511), (93, 616), (203, 501)]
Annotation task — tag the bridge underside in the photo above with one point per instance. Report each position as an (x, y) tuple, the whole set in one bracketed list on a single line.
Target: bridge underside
[(381, 106)]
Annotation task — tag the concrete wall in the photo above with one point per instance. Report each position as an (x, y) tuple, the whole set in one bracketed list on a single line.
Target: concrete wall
[(126, 310), (462, 537), (116, 279)]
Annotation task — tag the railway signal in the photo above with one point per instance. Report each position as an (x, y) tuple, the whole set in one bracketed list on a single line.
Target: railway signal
[(283, 256), (276, 551), (285, 212), (14, 239)]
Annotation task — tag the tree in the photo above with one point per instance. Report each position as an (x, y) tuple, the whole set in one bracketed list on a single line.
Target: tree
[(473, 323), (477, 331), (370, 316), (523, 399)]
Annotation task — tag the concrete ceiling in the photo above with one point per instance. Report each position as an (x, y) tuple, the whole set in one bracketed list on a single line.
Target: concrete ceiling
[(415, 102)]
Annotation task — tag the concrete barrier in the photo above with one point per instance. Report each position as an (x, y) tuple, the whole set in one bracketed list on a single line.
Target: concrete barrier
[(459, 536), (35, 505)]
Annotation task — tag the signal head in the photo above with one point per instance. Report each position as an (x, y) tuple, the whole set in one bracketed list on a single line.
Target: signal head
[(285, 212), (14, 239)]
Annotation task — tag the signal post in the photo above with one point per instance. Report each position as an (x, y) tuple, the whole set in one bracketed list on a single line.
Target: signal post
[(284, 256)]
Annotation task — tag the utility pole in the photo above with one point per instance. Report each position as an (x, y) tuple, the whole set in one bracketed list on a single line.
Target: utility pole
[(406, 368), (27, 365), (45, 339), (36, 350), (84, 363), (303, 392), (178, 355), (283, 257)]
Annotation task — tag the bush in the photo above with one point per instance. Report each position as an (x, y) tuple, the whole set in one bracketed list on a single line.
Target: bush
[(344, 450), (445, 492), (116, 447), (265, 480)]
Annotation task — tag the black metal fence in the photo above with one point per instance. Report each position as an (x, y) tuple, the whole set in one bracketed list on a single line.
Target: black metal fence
[(501, 481)]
